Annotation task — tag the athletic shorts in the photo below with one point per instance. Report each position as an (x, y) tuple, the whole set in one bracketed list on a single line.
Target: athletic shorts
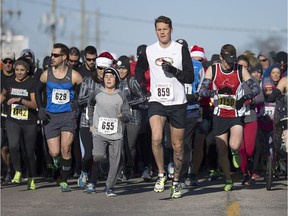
[(176, 114), (60, 122), (222, 125)]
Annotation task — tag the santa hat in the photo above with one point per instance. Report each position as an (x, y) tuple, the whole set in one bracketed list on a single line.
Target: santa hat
[(105, 59), (197, 51)]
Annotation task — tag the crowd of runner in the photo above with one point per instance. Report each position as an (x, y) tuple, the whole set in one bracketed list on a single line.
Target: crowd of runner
[(170, 113)]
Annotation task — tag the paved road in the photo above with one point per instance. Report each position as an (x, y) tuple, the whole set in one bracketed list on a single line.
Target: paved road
[(136, 197)]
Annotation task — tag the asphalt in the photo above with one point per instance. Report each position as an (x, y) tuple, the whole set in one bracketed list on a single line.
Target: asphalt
[(136, 197)]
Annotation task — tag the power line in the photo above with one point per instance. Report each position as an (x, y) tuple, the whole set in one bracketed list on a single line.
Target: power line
[(183, 25)]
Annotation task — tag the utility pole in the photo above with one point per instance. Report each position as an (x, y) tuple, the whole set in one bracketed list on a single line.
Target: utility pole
[(53, 23), (1, 27), (82, 37), (97, 28)]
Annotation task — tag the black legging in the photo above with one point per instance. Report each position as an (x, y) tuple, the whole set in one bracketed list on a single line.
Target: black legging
[(28, 133), (86, 145)]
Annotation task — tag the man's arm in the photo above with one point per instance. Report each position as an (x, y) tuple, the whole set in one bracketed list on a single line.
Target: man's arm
[(141, 67), (40, 85)]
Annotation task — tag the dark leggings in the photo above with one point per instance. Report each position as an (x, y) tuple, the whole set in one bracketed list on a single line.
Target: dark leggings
[(16, 132), (86, 145)]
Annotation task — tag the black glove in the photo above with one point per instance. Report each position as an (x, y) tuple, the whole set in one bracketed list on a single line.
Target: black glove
[(168, 67), (225, 90), (43, 115), (240, 102), (192, 97), (74, 105)]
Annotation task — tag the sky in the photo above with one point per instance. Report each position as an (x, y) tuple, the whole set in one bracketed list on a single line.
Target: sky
[(122, 25)]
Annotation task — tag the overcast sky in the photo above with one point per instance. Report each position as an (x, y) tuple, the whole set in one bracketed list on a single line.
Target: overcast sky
[(125, 24)]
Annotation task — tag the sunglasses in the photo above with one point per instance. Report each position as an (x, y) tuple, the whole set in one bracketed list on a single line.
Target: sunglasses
[(91, 59), (73, 61), (55, 55), (8, 61), (262, 60), (100, 68)]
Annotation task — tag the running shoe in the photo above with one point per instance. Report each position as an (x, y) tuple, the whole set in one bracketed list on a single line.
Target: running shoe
[(90, 188), (246, 180), (194, 180), (228, 186), (17, 177), (110, 192), (64, 187), (214, 175), (82, 180), (31, 184), (255, 176), (183, 185), (175, 190), (236, 159), (7, 178), (160, 183), (146, 174)]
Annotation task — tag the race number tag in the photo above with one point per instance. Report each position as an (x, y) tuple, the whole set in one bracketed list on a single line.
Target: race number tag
[(107, 125), (269, 111), (60, 96), (19, 112), (188, 88), (164, 91), (226, 101)]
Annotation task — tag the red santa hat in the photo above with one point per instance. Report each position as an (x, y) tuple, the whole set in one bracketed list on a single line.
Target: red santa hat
[(105, 59), (197, 51)]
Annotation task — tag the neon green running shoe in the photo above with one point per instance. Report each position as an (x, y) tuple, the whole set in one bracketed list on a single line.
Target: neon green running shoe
[(175, 191), (17, 177), (160, 183), (236, 159), (31, 184), (64, 187), (228, 186)]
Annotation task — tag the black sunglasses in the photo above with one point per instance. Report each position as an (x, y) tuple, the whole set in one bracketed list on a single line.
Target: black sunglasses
[(90, 59), (100, 68), (55, 55), (8, 61), (263, 60), (74, 61)]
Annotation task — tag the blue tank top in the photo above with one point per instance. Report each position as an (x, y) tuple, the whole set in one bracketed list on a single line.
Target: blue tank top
[(59, 92)]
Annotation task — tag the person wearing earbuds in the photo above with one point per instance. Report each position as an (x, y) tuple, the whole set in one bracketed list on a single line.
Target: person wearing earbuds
[(19, 94), (170, 66), (229, 99)]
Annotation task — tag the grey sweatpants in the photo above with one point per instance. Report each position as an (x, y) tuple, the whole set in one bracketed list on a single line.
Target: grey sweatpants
[(102, 148)]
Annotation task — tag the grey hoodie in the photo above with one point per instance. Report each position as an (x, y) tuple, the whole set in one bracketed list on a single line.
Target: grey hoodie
[(108, 106)]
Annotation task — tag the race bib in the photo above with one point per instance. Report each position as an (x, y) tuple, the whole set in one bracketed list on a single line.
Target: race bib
[(19, 112), (164, 91), (226, 101), (60, 96), (269, 111), (107, 125), (188, 88)]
